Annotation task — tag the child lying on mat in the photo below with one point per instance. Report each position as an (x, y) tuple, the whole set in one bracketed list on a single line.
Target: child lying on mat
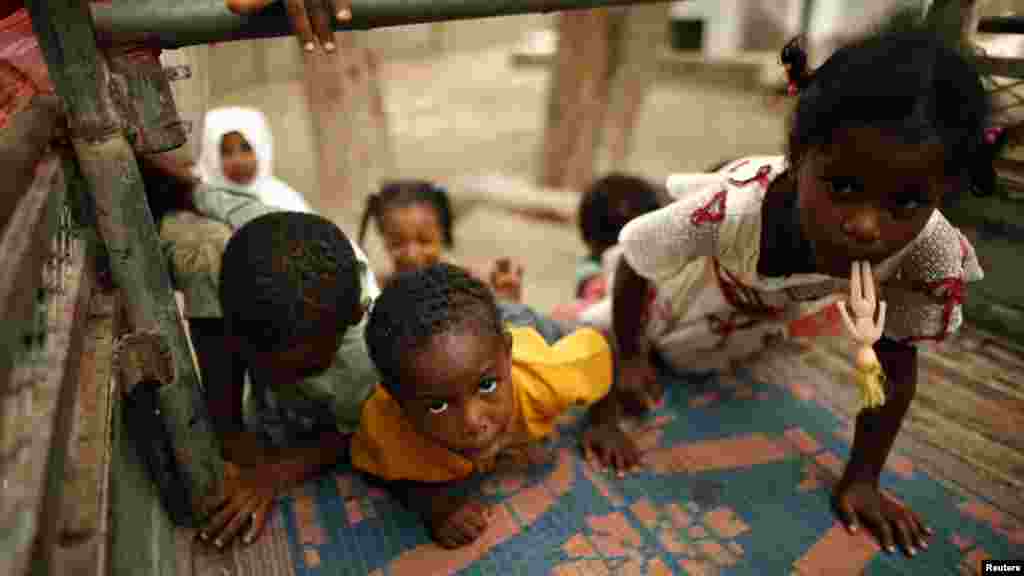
[(415, 220), (459, 390), (294, 297), (885, 129)]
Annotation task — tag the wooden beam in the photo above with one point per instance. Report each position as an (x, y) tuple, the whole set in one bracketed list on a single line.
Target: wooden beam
[(24, 249), (171, 24), (37, 401), (605, 64), (577, 99), (22, 143), (82, 79), (638, 39), (353, 141)]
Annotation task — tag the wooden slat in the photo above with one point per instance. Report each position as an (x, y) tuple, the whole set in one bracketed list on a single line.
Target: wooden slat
[(33, 468), (939, 457), (24, 246), (577, 99), (82, 549), (22, 143)]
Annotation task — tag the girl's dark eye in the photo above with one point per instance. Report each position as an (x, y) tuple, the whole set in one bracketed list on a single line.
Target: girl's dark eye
[(909, 202), (437, 406), (488, 385), (842, 187)]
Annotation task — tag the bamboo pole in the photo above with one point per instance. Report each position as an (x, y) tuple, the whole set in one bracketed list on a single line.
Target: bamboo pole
[(174, 24), (82, 79)]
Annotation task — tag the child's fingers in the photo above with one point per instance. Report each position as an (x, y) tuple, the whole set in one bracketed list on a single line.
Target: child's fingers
[(905, 536), (848, 516), (588, 451), (257, 521), (342, 9), (321, 17), (242, 515), (300, 23), (884, 529)]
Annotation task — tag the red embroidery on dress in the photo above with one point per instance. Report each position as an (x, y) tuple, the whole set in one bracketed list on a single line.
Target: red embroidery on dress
[(738, 166), (650, 306), (713, 211), (762, 177), (743, 298), (724, 328), (953, 290), (748, 307)]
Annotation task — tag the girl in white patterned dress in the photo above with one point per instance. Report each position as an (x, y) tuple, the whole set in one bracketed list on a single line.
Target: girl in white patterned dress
[(883, 132)]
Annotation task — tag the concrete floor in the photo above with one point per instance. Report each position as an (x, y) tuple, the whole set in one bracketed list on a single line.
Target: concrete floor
[(473, 112)]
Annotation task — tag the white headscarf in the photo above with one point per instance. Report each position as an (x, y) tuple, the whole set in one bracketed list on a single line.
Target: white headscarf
[(252, 125)]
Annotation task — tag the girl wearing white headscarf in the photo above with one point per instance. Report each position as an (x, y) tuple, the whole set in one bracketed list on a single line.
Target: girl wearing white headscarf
[(235, 168)]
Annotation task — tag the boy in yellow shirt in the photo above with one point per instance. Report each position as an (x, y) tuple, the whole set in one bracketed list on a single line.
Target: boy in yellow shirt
[(459, 390)]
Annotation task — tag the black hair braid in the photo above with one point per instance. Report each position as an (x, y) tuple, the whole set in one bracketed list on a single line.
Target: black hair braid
[(283, 274), (420, 304), (402, 193), (798, 72)]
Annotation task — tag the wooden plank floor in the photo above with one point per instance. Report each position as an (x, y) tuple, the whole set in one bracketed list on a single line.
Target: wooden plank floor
[(961, 431), (964, 425)]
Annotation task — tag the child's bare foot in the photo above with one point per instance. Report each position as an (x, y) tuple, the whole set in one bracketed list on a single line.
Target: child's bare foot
[(506, 280), (457, 521)]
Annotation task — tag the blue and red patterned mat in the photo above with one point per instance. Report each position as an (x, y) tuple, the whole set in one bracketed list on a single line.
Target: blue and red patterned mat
[(736, 481)]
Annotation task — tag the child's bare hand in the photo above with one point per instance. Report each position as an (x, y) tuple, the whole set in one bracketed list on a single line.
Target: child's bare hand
[(506, 278), (890, 521), (528, 457), (638, 388), (457, 521), (312, 20), (248, 500), (611, 447)]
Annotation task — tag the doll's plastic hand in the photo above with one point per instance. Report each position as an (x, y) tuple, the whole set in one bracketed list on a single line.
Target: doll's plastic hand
[(312, 20), (506, 280), (863, 327), (457, 521)]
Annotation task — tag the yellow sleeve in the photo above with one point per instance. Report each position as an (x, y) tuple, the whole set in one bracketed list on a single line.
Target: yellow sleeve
[(386, 446), (549, 380)]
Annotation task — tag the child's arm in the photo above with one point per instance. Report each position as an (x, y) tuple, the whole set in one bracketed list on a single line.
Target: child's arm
[(234, 209), (452, 520), (250, 491), (857, 496), (604, 437), (636, 378)]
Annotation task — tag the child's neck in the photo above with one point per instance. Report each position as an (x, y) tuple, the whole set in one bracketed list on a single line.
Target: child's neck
[(784, 251)]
